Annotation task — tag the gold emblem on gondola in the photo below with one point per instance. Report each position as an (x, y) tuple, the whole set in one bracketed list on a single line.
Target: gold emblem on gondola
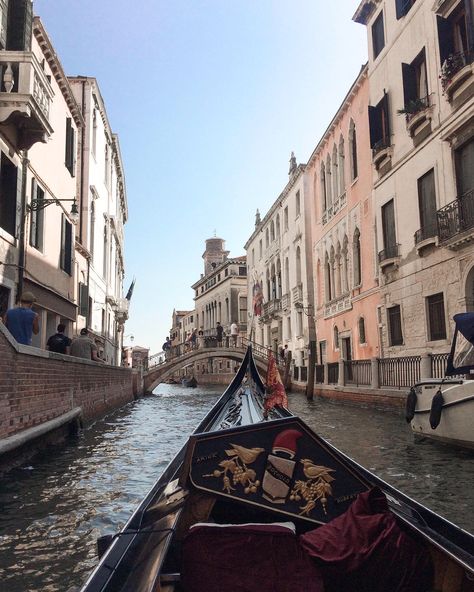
[(235, 470), (316, 488)]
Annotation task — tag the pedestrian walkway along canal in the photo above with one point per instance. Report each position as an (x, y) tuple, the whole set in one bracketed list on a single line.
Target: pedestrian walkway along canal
[(53, 510)]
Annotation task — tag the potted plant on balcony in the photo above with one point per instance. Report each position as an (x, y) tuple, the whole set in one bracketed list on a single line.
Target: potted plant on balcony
[(451, 66), (412, 107)]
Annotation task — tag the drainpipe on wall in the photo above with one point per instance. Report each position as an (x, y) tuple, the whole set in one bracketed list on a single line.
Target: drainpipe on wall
[(21, 234)]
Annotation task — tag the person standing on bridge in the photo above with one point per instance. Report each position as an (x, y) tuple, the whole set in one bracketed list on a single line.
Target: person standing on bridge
[(219, 333), (234, 333)]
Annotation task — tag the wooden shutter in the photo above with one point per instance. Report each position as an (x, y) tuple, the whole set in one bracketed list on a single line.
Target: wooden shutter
[(385, 116), (445, 39), (83, 299), (464, 158), (70, 146), (427, 201), (374, 126), (409, 83), (20, 25), (388, 225)]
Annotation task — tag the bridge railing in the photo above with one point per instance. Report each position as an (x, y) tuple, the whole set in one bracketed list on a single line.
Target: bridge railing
[(208, 342)]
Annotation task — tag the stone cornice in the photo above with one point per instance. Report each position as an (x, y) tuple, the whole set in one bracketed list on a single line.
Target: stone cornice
[(242, 260), (56, 68), (346, 103), (276, 204), (365, 10)]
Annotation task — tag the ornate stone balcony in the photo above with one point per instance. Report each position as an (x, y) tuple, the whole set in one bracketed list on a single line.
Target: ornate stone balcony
[(297, 293), (337, 305), (271, 308), (25, 98)]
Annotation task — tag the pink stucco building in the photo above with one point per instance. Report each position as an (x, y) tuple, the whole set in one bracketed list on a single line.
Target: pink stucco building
[(343, 237)]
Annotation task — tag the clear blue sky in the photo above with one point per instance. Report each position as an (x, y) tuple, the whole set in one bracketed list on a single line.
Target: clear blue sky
[(209, 98)]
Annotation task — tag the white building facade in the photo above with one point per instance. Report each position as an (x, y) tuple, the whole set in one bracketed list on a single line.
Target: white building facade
[(279, 260), (100, 233), (421, 116)]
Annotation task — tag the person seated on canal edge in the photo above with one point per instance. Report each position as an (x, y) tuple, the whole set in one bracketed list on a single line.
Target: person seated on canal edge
[(21, 321), (82, 346), (59, 343), (219, 333)]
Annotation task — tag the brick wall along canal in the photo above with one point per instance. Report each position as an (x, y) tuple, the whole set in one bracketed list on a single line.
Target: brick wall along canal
[(53, 510)]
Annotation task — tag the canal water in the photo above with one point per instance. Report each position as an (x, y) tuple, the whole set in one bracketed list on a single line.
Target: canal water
[(53, 509)]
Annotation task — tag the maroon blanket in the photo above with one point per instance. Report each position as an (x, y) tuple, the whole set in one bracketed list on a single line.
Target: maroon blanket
[(365, 550), (246, 558)]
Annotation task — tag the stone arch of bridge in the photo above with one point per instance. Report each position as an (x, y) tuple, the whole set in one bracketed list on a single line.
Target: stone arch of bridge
[(160, 373)]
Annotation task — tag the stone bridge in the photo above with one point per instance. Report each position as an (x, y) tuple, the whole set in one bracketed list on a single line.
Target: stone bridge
[(178, 358)]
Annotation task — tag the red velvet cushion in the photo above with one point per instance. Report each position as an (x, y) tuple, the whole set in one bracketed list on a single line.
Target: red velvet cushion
[(246, 558), (364, 550)]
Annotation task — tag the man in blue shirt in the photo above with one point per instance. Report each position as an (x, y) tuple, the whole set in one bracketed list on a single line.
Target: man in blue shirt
[(21, 321)]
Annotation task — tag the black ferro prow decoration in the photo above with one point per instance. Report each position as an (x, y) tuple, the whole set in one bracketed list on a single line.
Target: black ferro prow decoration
[(280, 465)]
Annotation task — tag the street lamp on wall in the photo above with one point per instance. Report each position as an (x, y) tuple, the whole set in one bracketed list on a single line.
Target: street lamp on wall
[(40, 204)]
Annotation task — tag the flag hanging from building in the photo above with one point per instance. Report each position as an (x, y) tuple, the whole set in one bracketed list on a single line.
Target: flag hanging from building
[(276, 394), (130, 290), (257, 293)]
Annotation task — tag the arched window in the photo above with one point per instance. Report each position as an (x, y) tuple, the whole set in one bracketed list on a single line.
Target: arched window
[(298, 266), (342, 178), (362, 330), (253, 256), (287, 276), (336, 337), (267, 241), (337, 270), (345, 266), (269, 289), (324, 201), (272, 231), (278, 226), (328, 182), (327, 278), (315, 187), (273, 282), (332, 265), (278, 278), (356, 256), (353, 150), (335, 176)]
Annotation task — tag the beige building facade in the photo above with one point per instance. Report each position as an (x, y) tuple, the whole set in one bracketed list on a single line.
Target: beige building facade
[(279, 261), (39, 124), (421, 117), (103, 210)]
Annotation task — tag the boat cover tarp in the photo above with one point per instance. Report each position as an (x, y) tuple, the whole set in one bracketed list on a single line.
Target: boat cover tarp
[(461, 356), (246, 558), (365, 550)]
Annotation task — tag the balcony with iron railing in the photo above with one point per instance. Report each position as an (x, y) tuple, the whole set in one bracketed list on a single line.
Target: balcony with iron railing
[(457, 74), (381, 151), (390, 255), (25, 98), (456, 221), (425, 236)]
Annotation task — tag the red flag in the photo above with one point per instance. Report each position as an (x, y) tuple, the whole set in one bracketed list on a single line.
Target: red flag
[(257, 299), (276, 394)]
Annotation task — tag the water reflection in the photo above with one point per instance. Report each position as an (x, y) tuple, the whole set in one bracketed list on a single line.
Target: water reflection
[(52, 511)]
